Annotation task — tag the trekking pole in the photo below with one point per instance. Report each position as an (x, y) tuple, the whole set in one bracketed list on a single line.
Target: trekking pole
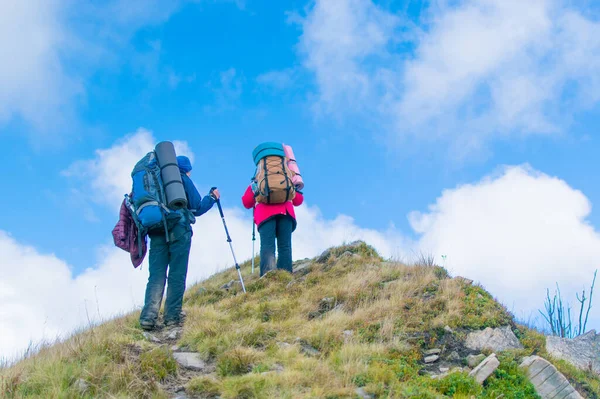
[(237, 266), (253, 237)]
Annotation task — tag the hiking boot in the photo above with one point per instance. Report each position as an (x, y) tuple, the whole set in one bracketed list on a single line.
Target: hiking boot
[(173, 323), (147, 325)]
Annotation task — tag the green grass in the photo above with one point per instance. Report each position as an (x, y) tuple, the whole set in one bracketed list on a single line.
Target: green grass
[(280, 340)]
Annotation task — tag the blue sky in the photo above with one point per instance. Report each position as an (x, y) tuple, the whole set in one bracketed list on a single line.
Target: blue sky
[(392, 107)]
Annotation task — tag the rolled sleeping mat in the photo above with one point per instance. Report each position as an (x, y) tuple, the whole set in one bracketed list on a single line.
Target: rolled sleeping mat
[(171, 177), (266, 150), (293, 165)]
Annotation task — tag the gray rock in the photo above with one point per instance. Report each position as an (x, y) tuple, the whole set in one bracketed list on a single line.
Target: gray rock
[(497, 340), (448, 330), (475, 360), (327, 304), (283, 345), (485, 369), (464, 281), (151, 338), (431, 359), (190, 361), (81, 386), (547, 380), (174, 333), (432, 352), (454, 356), (175, 348), (363, 394), (229, 285), (310, 351), (444, 369), (583, 352), (327, 254), (302, 268)]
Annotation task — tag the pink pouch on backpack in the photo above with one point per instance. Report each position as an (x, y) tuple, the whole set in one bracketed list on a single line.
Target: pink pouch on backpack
[(293, 165)]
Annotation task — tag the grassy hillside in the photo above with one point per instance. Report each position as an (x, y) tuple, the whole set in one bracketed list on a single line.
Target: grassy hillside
[(346, 325)]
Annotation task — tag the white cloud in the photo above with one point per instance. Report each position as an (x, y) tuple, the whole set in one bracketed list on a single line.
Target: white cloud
[(33, 82), (339, 40), (50, 48), (517, 233), (479, 69)]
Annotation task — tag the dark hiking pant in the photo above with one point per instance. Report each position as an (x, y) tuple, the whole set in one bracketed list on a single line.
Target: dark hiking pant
[(173, 256), (279, 227)]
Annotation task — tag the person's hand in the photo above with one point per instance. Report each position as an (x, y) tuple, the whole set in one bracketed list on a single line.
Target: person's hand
[(215, 194)]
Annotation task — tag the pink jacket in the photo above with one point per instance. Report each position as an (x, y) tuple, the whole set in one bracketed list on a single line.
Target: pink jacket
[(263, 212)]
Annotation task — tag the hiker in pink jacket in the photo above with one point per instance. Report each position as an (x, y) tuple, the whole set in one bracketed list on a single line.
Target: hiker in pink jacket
[(274, 221)]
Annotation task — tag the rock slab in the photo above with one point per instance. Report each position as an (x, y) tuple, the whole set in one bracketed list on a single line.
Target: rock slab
[(494, 339), (485, 369), (431, 359), (547, 380), (190, 361), (583, 352), (363, 394)]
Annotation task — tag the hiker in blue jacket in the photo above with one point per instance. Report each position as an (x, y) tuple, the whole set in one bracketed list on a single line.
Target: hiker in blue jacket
[(173, 255)]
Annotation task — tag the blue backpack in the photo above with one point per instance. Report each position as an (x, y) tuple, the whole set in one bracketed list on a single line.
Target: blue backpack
[(148, 202)]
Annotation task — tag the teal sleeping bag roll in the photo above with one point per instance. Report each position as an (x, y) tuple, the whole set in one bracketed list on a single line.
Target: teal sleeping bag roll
[(267, 149)]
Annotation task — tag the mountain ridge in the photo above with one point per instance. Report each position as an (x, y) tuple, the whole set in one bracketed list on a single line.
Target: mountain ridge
[(346, 324)]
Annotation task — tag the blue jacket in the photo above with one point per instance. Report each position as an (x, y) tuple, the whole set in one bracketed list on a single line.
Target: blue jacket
[(196, 204)]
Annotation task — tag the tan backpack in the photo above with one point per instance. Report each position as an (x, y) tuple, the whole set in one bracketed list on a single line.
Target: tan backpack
[(274, 181)]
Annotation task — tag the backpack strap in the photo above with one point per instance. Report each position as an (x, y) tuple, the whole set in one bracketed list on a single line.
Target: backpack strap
[(266, 179), (287, 180), (150, 203)]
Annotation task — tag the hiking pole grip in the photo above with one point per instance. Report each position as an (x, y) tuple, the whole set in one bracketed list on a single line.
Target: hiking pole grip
[(218, 200)]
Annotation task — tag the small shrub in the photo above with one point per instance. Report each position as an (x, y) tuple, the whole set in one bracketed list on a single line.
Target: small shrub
[(480, 310), (361, 380), (237, 361), (458, 383), (206, 386), (158, 363), (252, 386), (533, 341), (509, 380)]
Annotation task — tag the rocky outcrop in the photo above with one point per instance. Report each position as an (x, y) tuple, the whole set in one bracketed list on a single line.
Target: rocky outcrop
[(547, 380), (349, 250), (583, 352), (497, 340), (485, 369)]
